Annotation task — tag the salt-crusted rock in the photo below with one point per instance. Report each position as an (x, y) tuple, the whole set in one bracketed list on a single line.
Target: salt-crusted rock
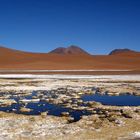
[(136, 134), (136, 93), (127, 113), (80, 93), (44, 114), (119, 122), (93, 103), (79, 101), (65, 114), (29, 100), (24, 110), (7, 102), (70, 119)]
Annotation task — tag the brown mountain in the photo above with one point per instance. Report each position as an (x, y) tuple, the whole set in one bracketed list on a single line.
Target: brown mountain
[(70, 50), (123, 52), (71, 58)]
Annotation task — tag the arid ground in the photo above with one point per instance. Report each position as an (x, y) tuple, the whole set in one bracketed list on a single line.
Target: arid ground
[(72, 58)]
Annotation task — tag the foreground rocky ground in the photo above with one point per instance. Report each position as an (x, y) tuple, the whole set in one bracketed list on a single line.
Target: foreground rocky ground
[(103, 123), (21, 127)]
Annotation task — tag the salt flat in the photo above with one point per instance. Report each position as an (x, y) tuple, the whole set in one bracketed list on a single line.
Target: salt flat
[(62, 76), (123, 120)]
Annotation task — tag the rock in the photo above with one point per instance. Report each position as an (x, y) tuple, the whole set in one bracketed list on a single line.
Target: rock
[(79, 102), (47, 100), (65, 114), (137, 111), (93, 104), (34, 97), (25, 110), (100, 112), (112, 118), (136, 93), (84, 117), (102, 116), (14, 110), (44, 114), (81, 108), (70, 119), (97, 122), (29, 100), (106, 113), (76, 97), (80, 93), (57, 102), (5, 97), (74, 105), (7, 102), (51, 100), (127, 113), (69, 101), (112, 93), (119, 122), (114, 114), (136, 134), (90, 92), (94, 112), (89, 109)]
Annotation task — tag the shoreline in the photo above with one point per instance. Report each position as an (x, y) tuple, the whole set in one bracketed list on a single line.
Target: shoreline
[(134, 77), (72, 72)]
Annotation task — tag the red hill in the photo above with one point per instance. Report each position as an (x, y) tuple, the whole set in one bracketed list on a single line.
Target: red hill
[(68, 58)]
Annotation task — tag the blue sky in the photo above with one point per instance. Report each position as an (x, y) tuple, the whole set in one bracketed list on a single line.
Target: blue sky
[(97, 26)]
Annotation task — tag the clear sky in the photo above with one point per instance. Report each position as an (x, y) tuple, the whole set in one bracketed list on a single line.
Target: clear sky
[(97, 26)]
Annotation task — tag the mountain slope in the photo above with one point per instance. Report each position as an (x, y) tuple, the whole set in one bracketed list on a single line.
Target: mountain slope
[(71, 58), (123, 52), (70, 50)]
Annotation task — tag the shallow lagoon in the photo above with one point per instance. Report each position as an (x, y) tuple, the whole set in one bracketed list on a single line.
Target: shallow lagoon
[(56, 110), (121, 100), (42, 106)]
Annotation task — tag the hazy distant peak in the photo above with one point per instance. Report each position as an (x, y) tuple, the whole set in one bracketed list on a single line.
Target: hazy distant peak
[(74, 47), (120, 51)]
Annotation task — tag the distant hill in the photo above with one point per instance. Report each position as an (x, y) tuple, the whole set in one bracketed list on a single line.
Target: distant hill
[(70, 50), (122, 51), (68, 58)]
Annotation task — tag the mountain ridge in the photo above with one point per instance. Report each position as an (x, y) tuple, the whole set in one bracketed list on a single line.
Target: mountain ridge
[(68, 50), (15, 59)]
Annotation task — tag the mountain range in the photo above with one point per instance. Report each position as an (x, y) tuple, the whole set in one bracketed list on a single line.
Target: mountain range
[(69, 58)]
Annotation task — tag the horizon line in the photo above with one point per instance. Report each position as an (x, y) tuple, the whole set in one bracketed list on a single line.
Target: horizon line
[(36, 52)]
